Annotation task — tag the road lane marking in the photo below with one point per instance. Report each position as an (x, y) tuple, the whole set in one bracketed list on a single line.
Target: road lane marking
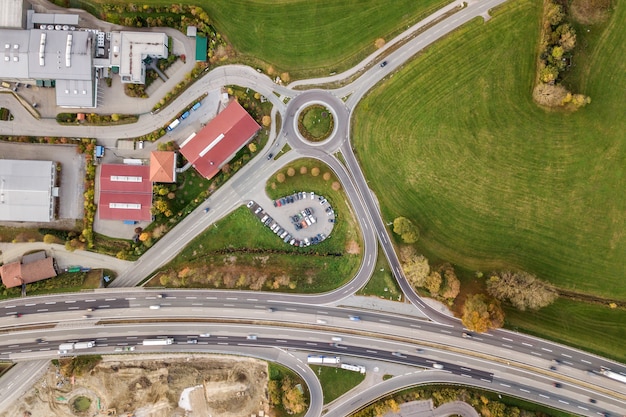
[(229, 305), (129, 298), (232, 298), (445, 331), (41, 310), (51, 302), (371, 351), (527, 344), (73, 308), (535, 353), (566, 355), (583, 408), (311, 344), (110, 299), (30, 304), (468, 376), (544, 396), (564, 402), (524, 390), (384, 321), (252, 299), (507, 346), (70, 302), (191, 298), (587, 362), (507, 339), (104, 306), (415, 326), (546, 349)]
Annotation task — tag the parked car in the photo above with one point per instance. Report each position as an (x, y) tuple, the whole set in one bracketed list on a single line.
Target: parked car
[(355, 318), (258, 210), (250, 204)]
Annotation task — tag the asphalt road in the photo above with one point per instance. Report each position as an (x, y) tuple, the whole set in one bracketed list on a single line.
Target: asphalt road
[(532, 356)]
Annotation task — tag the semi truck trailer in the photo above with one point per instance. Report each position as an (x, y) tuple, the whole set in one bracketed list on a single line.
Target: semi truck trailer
[(158, 342)]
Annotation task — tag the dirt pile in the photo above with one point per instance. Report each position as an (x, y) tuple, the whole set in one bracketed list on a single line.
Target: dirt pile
[(152, 386)]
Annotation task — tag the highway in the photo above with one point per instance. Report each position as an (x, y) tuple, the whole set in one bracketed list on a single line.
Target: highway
[(503, 361)]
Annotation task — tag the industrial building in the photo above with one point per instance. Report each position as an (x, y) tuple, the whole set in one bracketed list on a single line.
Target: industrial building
[(50, 50), (27, 190)]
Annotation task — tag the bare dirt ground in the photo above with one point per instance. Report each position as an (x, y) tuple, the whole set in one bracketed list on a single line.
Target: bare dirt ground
[(153, 386)]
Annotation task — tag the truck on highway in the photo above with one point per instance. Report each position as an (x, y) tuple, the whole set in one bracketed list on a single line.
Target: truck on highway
[(354, 368), (613, 375), (66, 347), (158, 342)]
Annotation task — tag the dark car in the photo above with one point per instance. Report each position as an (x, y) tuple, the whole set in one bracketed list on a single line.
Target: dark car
[(592, 400), (382, 64), (206, 209), (557, 385), (270, 156)]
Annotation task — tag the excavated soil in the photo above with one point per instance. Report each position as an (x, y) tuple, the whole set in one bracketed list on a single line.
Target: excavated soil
[(153, 386)]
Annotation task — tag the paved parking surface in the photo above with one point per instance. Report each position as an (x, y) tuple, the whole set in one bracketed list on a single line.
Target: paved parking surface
[(310, 211), (70, 201)]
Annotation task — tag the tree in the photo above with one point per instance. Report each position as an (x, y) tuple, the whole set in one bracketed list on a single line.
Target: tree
[(549, 74), (433, 282), (252, 147), (48, 239), (521, 289), (415, 267), (554, 13), (406, 229), (567, 37), (481, 313), (452, 285)]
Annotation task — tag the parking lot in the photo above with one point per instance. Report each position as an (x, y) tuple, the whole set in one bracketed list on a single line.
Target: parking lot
[(299, 219)]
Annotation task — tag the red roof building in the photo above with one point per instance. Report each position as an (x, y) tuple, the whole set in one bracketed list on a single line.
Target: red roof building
[(125, 192), (217, 143), (163, 166), (17, 273)]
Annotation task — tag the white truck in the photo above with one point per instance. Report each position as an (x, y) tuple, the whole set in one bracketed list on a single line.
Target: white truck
[(354, 368), (158, 342), (324, 360), (66, 347)]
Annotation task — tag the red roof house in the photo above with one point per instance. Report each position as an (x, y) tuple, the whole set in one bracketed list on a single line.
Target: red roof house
[(219, 141), (163, 166), (125, 192), (17, 273)]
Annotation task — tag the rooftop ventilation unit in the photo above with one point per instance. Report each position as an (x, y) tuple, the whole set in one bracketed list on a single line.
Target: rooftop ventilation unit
[(42, 48), (68, 51)]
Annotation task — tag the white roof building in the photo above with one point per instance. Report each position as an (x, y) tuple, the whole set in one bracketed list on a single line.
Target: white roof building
[(129, 49), (27, 190)]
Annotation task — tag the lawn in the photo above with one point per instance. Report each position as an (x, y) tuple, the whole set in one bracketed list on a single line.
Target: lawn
[(239, 252), (336, 381), (492, 180), (308, 38), (316, 123), (592, 327), (382, 283)]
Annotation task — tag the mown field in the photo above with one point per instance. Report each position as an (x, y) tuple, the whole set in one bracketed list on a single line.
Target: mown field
[(306, 38), (492, 180)]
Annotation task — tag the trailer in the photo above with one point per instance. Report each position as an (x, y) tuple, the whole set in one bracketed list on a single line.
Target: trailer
[(158, 342), (173, 125), (66, 346), (84, 345), (613, 375), (315, 359), (354, 368)]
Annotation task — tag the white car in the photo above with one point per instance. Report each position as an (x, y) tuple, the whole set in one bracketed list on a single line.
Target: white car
[(155, 307), (250, 204)]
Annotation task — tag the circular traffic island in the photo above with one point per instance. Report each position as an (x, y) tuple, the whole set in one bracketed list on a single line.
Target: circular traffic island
[(316, 123)]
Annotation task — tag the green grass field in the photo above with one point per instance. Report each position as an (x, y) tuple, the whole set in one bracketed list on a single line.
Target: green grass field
[(492, 180), (308, 38), (335, 381)]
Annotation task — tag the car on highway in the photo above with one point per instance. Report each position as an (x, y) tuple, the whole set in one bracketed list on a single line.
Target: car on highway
[(205, 334), (129, 348), (592, 400), (466, 335), (383, 64), (270, 156), (251, 337), (354, 318), (192, 341), (206, 209), (270, 309), (155, 307), (557, 385)]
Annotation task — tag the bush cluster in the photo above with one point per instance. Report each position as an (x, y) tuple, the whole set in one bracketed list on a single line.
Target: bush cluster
[(558, 41), (97, 119), (181, 86)]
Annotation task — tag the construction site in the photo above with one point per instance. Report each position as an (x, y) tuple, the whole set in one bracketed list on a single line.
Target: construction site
[(190, 385)]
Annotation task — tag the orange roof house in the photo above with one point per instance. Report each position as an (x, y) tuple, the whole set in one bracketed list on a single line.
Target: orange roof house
[(163, 166), (17, 273)]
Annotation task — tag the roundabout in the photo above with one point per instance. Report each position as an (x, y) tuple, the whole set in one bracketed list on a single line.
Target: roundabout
[(316, 119)]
